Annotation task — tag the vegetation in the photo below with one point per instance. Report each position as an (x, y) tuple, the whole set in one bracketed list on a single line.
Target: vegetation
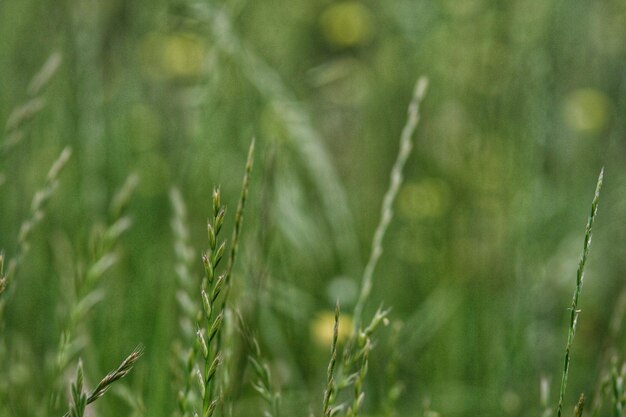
[(429, 278)]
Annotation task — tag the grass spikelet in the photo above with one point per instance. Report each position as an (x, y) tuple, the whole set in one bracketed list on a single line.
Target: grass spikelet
[(122, 197), (578, 410), (38, 207), (105, 383), (394, 387), (122, 370), (574, 310), (3, 278), (37, 213), (45, 74), (262, 382), (79, 398), (329, 393), (356, 362), (25, 112)]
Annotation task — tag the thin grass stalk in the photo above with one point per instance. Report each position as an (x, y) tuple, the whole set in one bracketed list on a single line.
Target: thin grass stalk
[(224, 347), (330, 373), (234, 242), (580, 274), (406, 144), (356, 351)]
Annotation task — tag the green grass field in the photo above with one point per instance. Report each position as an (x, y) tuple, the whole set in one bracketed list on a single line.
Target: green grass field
[(386, 262)]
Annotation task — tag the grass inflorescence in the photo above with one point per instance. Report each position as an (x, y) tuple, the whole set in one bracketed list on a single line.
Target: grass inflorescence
[(574, 309), (185, 349), (81, 400), (215, 289)]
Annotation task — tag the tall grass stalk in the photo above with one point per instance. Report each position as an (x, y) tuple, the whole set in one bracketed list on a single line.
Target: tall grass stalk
[(356, 352), (406, 144), (580, 274)]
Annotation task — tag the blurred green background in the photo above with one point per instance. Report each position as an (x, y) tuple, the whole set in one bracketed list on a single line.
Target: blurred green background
[(526, 103)]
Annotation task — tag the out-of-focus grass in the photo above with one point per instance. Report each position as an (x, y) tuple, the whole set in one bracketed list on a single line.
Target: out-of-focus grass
[(526, 102)]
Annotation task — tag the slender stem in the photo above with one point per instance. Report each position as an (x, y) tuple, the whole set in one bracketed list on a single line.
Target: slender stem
[(580, 274), (330, 380), (406, 144)]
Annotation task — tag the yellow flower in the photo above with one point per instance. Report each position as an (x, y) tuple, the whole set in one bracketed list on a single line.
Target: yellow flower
[(173, 56), (347, 24), (587, 110), (322, 326)]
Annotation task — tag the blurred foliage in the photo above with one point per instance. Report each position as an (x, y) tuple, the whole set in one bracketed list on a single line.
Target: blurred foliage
[(526, 103)]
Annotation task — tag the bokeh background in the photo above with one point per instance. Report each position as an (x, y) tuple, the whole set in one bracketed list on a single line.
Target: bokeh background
[(526, 103)]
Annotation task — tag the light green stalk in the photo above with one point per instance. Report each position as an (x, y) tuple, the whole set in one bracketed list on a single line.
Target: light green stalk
[(406, 144), (580, 274)]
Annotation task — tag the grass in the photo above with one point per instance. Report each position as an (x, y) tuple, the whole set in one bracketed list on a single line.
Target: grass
[(449, 291), (80, 400), (580, 274), (212, 344)]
